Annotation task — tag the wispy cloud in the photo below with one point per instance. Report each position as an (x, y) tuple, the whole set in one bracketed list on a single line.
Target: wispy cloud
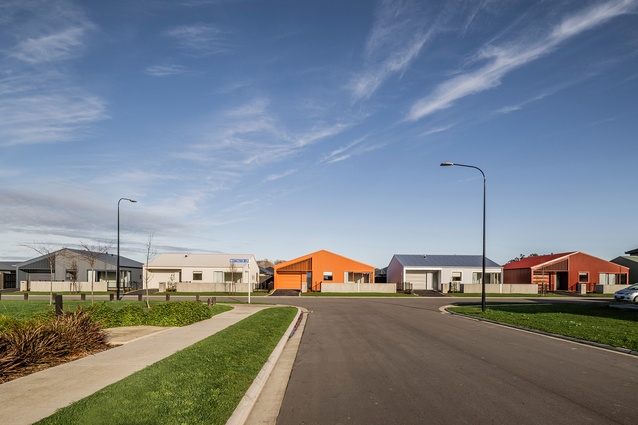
[(40, 101), (57, 114), (500, 60), (437, 130), (166, 70), (355, 148), (64, 44), (273, 177), (199, 39), (397, 37)]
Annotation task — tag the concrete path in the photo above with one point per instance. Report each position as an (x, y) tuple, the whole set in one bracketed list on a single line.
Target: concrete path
[(33, 397)]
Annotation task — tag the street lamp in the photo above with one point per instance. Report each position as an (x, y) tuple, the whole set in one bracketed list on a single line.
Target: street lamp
[(449, 164), (117, 277)]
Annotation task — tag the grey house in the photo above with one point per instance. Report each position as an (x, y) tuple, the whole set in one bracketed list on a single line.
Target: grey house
[(72, 265), (630, 260), (8, 274), (439, 272)]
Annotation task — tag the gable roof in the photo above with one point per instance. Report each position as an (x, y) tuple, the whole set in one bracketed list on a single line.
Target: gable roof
[(632, 252), (195, 260), (409, 260), (107, 258), (317, 253), (529, 262)]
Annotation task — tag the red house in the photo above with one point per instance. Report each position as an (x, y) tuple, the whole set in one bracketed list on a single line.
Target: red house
[(564, 272)]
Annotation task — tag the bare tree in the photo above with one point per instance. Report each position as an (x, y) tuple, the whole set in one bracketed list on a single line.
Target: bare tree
[(52, 255), (150, 253), (91, 253)]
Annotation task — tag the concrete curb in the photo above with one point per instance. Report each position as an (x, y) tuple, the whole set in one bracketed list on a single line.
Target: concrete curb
[(246, 404), (444, 309)]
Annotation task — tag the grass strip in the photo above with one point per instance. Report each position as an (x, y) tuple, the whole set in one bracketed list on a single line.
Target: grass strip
[(591, 322), (209, 294), (354, 294), (201, 384)]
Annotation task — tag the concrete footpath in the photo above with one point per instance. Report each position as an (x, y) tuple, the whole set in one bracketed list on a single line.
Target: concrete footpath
[(30, 398)]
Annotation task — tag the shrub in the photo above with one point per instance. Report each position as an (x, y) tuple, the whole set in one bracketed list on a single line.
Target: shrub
[(39, 341), (180, 313), (174, 313)]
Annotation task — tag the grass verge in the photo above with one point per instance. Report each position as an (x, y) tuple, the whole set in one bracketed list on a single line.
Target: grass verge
[(591, 322), (201, 384), (209, 294), (354, 294)]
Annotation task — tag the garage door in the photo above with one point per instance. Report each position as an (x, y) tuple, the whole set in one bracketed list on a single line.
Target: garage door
[(420, 279), (289, 280)]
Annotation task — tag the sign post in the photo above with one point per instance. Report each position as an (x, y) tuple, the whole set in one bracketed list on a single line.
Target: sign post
[(244, 261)]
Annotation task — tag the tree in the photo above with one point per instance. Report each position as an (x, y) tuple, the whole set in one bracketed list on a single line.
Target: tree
[(46, 250), (91, 254), (265, 263), (150, 253), (521, 256)]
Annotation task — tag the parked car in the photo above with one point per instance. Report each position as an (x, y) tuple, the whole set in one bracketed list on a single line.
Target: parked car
[(628, 294)]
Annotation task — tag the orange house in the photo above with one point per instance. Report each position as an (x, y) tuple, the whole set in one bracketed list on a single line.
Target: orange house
[(307, 273)]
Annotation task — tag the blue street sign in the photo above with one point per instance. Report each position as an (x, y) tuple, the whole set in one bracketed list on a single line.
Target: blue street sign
[(239, 260)]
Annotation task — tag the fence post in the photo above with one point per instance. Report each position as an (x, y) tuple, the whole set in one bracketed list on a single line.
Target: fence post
[(58, 304), (111, 297), (83, 297), (26, 296), (139, 297), (197, 297), (168, 297), (214, 300)]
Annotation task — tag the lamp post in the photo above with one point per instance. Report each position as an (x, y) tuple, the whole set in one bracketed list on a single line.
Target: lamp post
[(449, 164), (117, 277)]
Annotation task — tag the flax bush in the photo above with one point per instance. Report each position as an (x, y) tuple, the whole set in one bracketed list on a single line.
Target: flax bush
[(36, 342)]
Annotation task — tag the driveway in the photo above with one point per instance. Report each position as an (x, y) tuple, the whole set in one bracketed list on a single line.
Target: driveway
[(400, 361)]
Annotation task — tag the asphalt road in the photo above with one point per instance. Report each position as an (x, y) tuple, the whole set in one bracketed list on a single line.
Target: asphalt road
[(400, 361)]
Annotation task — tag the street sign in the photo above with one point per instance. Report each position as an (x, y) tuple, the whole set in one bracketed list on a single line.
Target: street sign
[(239, 260)]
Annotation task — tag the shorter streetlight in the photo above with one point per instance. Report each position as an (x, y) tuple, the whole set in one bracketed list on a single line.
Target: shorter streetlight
[(117, 277), (449, 164)]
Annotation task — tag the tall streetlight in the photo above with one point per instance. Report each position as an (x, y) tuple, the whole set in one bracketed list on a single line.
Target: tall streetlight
[(449, 164), (118, 244)]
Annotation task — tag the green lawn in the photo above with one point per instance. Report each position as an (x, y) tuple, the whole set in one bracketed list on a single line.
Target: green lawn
[(201, 384), (353, 294), (596, 322), (209, 294), (20, 309), (549, 295)]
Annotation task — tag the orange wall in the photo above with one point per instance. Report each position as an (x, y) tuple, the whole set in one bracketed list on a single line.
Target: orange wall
[(322, 261)]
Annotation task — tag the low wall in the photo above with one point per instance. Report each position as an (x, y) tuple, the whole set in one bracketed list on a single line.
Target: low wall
[(383, 288), (44, 286), (495, 288), (206, 287), (609, 289)]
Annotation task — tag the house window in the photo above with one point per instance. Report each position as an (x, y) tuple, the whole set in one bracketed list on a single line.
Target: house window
[(218, 277), (456, 277), (489, 277), (583, 277), (197, 275), (327, 275)]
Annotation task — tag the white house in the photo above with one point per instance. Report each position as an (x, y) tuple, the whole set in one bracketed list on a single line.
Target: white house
[(202, 272), (442, 272)]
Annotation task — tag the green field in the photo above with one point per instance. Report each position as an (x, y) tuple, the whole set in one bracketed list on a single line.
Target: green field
[(596, 322)]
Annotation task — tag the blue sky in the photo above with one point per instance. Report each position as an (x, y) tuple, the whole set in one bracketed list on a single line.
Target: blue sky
[(280, 128)]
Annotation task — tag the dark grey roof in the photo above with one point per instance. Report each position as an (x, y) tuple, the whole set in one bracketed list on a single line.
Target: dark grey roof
[(632, 252), (444, 261), (108, 258), (8, 265)]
